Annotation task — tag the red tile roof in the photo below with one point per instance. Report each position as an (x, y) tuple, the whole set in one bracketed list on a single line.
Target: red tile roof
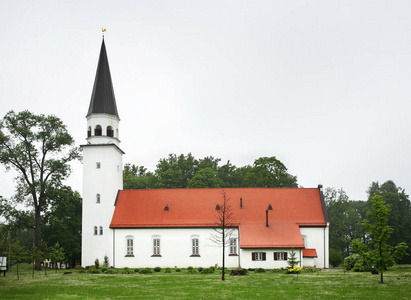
[(292, 207), (309, 253)]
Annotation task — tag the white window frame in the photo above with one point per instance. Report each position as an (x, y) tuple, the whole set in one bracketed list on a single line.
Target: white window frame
[(259, 256), (156, 246), (233, 246), (195, 246), (129, 246)]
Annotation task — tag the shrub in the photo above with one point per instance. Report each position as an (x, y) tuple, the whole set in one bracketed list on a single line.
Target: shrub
[(146, 271), (294, 270), (106, 262), (91, 268), (277, 271), (259, 270), (167, 270), (357, 263), (207, 270), (94, 271), (191, 270), (104, 269), (97, 263), (310, 270), (251, 269), (78, 267), (178, 270), (136, 270), (126, 270), (200, 269), (212, 268), (111, 271), (157, 269)]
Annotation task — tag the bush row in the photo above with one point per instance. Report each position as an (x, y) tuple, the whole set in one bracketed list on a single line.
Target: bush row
[(189, 270)]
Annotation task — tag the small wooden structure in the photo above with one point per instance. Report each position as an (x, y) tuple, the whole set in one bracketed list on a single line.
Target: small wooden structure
[(3, 264)]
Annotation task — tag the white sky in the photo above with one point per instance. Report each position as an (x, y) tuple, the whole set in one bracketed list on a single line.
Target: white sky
[(322, 85)]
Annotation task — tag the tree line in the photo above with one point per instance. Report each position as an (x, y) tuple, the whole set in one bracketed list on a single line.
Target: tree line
[(348, 219), (185, 171)]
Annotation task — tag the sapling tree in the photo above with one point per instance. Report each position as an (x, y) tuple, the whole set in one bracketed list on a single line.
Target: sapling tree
[(380, 253), (17, 253), (292, 259), (224, 226)]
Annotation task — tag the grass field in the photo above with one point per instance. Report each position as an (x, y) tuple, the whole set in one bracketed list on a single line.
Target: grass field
[(181, 285)]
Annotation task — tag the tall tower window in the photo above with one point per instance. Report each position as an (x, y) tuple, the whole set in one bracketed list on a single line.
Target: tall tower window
[(97, 131), (95, 230), (98, 198), (110, 131), (101, 230), (89, 132)]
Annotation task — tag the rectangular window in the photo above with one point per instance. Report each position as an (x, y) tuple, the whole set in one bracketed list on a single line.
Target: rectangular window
[(98, 165), (194, 244), (280, 255), (95, 230), (101, 230), (130, 248), (233, 246), (156, 246), (258, 256)]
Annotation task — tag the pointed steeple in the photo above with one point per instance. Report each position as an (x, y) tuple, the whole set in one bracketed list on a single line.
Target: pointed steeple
[(102, 99)]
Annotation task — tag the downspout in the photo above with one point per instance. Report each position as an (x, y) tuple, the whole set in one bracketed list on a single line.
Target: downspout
[(114, 248), (239, 248), (301, 261)]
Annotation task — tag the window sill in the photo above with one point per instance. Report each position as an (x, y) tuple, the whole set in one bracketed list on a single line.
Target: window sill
[(234, 254), (156, 255), (195, 255), (129, 255)]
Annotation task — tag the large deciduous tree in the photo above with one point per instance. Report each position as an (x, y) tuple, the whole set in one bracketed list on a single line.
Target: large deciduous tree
[(39, 148), (269, 172)]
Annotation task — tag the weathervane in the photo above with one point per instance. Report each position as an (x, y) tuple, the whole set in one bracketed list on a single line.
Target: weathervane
[(103, 30)]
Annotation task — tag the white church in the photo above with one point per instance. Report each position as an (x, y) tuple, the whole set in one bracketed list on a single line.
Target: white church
[(174, 227)]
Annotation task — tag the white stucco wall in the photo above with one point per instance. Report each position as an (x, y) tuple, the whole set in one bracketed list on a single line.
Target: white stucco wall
[(317, 238), (175, 248), (106, 181), (269, 263)]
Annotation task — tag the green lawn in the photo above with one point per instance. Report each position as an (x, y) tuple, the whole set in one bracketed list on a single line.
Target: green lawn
[(320, 285)]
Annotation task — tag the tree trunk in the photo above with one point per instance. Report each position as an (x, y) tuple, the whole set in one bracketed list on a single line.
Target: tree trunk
[(37, 236), (382, 279), (223, 275)]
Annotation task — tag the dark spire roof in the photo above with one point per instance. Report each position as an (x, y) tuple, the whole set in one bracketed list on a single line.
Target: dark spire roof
[(102, 98)]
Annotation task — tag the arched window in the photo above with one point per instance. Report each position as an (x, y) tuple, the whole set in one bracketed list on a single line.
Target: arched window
[(98, 198), (110, 131), (89, 132), (129, 246), (195, 246), (97, 131), (156, 246)]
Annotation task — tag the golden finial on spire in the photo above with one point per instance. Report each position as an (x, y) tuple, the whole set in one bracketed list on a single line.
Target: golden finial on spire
[(103, 30)]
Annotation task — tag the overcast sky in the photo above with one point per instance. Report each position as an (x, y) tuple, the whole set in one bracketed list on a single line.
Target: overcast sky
[(322, 85)]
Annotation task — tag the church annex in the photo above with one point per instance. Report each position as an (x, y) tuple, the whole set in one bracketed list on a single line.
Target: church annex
[(174, 227)]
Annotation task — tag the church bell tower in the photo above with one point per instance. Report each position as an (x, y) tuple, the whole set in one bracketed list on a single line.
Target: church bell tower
[(102, 167)]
